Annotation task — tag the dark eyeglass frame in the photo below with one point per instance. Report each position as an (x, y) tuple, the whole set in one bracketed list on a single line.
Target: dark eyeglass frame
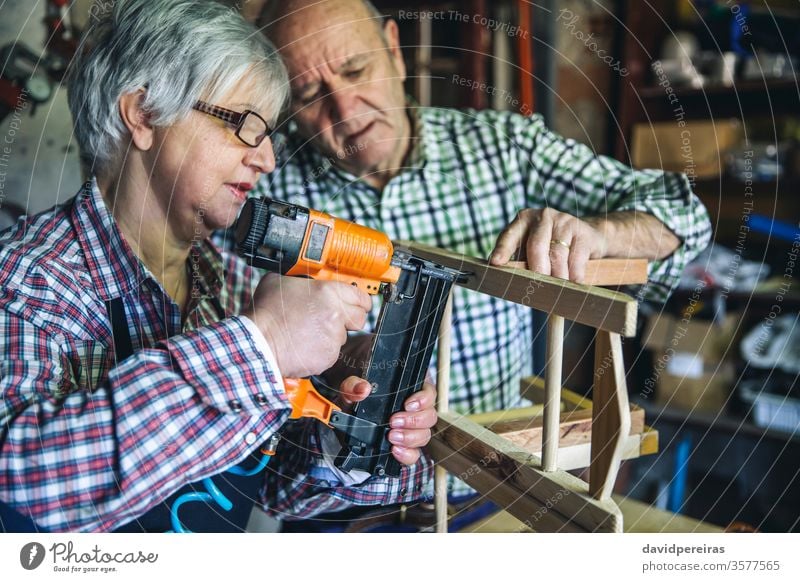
[(237, 120)]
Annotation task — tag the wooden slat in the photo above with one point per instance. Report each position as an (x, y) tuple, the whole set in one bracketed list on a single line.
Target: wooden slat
[(612, 421), (443, 405), (638, 517), (487, 418), (580, 456), (592, 306), (575, 427), (501, 491), (649, 445), (552, 389), (608, 272), (566, 495)]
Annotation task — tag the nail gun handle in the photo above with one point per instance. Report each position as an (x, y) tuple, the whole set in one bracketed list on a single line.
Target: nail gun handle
[(307, 402)]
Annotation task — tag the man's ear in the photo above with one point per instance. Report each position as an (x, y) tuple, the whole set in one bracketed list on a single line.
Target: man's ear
[(392, 34), (136, 120)]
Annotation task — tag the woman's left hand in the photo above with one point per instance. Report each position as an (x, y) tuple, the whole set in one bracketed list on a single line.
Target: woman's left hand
[(410, 428)]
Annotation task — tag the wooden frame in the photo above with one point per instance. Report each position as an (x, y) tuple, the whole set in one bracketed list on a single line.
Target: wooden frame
[(528, 486)]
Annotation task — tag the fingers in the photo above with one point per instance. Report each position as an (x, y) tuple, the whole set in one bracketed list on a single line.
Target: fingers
[(578, 260), (354, 296), (537, 246), (425, 398), (411, 428), (406, 456), (560, 252), (511, 239), (354, 389)]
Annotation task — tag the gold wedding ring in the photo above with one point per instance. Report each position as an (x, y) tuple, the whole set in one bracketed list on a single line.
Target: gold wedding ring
[(557, 241)]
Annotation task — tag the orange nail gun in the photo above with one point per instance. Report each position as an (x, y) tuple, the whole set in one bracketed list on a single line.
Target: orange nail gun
[(296, 241)]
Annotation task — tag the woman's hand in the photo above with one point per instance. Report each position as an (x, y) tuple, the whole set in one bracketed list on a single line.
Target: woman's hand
[(410, 428)]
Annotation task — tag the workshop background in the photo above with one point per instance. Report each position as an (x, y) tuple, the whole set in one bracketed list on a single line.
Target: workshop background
[(708, 88)]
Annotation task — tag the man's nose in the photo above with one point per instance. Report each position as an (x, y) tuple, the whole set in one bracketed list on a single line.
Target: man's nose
[(343, 101)]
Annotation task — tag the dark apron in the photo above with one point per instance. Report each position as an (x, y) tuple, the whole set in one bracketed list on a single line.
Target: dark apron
[(197, 514)]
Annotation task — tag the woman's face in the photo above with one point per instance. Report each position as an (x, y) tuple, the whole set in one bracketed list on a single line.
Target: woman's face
[(201, 172)]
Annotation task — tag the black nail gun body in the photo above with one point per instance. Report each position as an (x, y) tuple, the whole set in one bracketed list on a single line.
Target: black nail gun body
[(296, 241)]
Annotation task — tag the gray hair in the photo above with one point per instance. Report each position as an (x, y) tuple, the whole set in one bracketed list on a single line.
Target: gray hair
[(179, 51)]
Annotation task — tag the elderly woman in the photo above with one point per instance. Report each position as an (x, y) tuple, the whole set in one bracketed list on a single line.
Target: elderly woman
[(141, 369)]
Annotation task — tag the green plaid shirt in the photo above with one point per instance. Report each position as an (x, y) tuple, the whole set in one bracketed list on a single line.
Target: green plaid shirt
[(467, 176)]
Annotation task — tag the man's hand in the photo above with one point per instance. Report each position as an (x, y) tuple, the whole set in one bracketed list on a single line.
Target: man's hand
[(551, 242), (559, 244), (305, 322), (411, 428)]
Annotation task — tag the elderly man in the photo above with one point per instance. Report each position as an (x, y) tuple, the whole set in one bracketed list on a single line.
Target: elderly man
[(483, 183)]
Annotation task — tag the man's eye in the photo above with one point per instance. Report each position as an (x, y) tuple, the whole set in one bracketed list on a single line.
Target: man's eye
[(354, 74), (308, 98)]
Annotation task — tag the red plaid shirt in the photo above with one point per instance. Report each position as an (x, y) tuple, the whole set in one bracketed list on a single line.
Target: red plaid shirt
[(89, 445)]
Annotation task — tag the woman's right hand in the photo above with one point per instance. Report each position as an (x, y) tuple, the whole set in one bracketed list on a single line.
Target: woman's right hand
[(305, 322)]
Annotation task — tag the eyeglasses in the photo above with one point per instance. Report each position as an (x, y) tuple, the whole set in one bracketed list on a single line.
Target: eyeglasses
[(251, 128)]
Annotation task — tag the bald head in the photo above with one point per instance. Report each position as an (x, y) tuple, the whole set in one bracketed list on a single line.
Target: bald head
[(283, 18)]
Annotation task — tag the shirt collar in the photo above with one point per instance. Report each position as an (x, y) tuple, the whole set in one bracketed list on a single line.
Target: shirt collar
[(114, 267)]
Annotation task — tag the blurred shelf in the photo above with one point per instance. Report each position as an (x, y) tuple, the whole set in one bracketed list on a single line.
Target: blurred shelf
[(724, 421), (774, 88)]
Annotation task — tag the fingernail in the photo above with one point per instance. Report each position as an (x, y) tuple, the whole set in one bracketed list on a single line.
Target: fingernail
[(396, 436), (399, 450), (397, 422), (412, 406)]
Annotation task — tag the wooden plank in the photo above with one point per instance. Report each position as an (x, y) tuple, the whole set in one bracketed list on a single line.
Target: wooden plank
[(552, 389), (507, 463), (580, 456), (443, 405), (487, 418), (638, 517), (611, 414), (593, 306), (575, 427), (649, 444), (518, 503), (608, 272), (644, 518)]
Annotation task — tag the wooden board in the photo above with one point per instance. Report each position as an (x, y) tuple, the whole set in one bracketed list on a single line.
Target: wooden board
[(491, 461), (638, 517), (593, 306), (611, 419), (633, 446), (575, 428), (608, 272)]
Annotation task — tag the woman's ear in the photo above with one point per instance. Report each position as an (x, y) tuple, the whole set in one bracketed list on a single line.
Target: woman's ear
[(136, 120)]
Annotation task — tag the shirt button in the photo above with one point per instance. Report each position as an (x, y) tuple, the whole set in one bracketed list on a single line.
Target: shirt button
[(235, 405), (403, 492), (261, 399), (250, 438)]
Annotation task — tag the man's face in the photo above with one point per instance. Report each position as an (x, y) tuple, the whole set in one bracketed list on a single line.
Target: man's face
[(347, 88)]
